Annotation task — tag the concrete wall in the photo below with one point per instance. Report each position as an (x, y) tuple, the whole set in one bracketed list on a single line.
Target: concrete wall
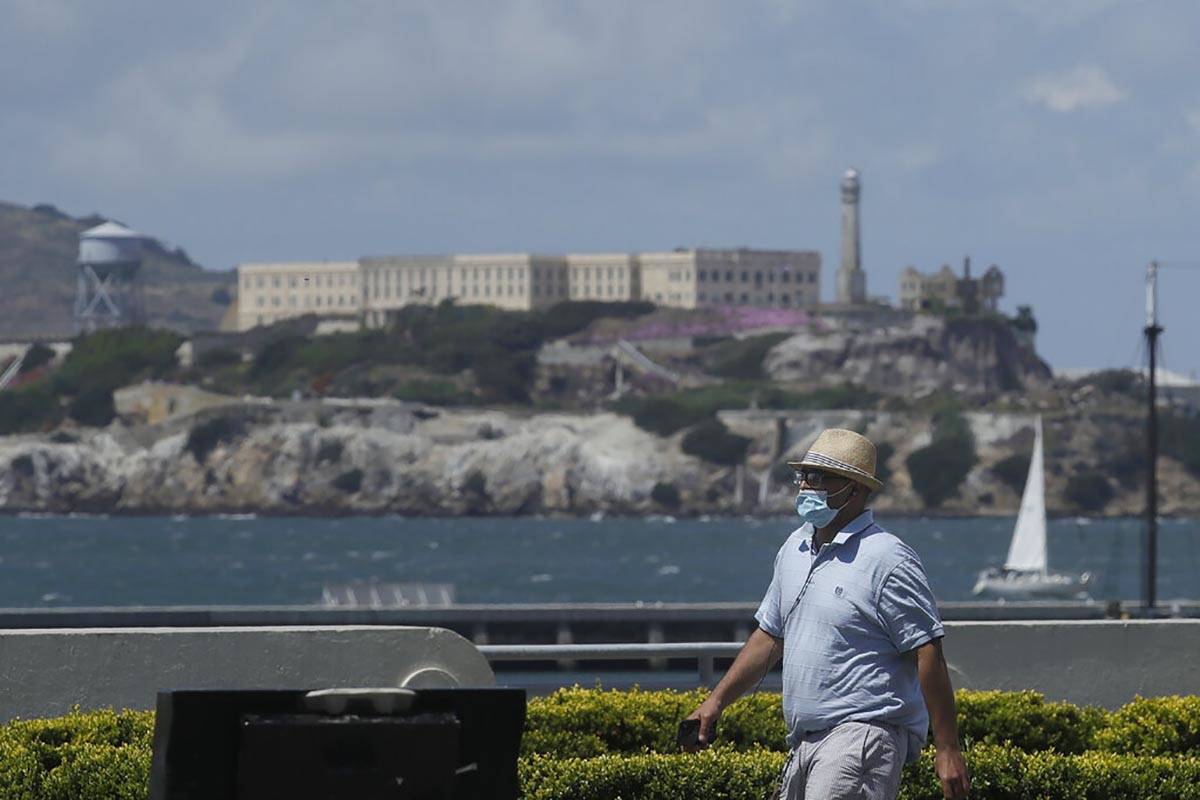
[(1100, 662), (44, 673)]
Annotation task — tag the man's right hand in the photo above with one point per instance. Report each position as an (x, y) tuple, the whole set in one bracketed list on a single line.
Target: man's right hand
[(708, 713)]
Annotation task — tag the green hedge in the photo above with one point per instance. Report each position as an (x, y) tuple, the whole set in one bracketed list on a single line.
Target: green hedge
[(589, 722), (998, 773), (724, 774), (579, 722), (591, 743), (100, 754), (1153, 726), (1027, 721)]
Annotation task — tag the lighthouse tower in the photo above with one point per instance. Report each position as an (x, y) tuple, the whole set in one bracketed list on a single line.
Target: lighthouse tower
[(851, 280)]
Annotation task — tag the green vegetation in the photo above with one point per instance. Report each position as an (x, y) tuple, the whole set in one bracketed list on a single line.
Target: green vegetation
[(114, 358), (712, 441), (1024, 320), (93, 406), (664, 414), (591, 743), (204, 437), (666, 495), (938, 470), (36, 356), (883, 454), (349, 481), (1118, 381), (84, 382), (1179, 438), (31, 408), (92, 756), (496, 348), (740, 358), (1089, 491), (1012, 471)]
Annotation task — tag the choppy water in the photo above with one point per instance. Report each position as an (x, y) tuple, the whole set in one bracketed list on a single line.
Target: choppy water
[(78, 561)]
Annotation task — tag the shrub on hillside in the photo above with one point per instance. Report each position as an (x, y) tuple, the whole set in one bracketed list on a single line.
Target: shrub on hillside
[(938, 470), (93, 406), (434, 392), (1179, 437), (1118, 381), (219, 357), (563, 319), (666, 495), (504, 376), (712, 441), (1088, 491), (741, 358), (117, 357), (349, 481), (883, 454), (36, 356), (32, 408), (204, 437), (1012, 471)]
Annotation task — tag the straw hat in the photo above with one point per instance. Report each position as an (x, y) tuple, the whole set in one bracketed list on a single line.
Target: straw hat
[(844, 453)]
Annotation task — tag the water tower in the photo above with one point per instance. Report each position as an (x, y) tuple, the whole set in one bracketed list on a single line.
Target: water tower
[(109, 292)]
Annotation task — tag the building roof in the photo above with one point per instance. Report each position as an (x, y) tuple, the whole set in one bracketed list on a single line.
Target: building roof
[(111, 230)]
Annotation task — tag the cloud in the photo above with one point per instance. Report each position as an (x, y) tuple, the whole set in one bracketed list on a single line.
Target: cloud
[(51, 18), (1193, 119), (1082, 87)]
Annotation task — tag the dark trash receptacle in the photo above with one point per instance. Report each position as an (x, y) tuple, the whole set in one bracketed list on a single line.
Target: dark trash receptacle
[(247, 745), (348, 757)]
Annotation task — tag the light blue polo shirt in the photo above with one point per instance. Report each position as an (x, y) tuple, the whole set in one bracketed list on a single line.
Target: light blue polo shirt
[(846, 615)]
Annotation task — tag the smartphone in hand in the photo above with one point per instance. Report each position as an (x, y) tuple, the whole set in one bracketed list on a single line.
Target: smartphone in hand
[(689, 734)]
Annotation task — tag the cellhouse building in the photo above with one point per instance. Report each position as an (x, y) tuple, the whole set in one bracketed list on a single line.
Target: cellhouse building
[(370, 288)]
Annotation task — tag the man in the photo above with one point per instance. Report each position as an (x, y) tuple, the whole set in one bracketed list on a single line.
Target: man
[(850, 611)]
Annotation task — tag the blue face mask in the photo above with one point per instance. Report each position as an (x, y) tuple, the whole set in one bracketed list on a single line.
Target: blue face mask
[(812, 508)]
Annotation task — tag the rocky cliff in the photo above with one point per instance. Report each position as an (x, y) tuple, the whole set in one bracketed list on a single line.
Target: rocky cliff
[(912, 355), (386, 457)]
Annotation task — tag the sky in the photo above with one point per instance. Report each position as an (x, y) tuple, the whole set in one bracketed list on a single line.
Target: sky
[(1059, 140)]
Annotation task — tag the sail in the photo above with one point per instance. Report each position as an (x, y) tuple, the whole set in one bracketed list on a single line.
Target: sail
[(1028, 548)]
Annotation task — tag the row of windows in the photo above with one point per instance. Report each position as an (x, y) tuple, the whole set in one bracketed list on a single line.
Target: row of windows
[(320, 281), (310, 301), (784, 277), (617, 290), (785, 299), (612, 272)]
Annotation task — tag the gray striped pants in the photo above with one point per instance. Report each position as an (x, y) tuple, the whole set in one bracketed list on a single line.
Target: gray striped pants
[(852, 761)]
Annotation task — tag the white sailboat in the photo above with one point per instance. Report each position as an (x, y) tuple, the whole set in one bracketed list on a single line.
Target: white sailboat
[(1024, 575)]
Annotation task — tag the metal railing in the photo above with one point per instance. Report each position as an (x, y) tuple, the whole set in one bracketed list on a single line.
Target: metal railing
[(705, 653)]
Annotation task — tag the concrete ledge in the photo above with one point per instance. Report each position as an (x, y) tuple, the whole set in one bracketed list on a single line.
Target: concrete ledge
[(44, 673), (1105, 663)]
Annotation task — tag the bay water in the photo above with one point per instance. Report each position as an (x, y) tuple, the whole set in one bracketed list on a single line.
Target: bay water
[(245, 560)]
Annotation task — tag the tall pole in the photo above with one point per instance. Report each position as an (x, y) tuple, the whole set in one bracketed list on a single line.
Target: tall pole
[(1153, 329)]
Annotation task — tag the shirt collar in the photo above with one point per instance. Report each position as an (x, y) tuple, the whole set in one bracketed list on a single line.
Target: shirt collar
[(855, 526), (852, 528)]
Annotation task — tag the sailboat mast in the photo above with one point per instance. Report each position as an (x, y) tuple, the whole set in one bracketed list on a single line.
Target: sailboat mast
[(1152, 330)]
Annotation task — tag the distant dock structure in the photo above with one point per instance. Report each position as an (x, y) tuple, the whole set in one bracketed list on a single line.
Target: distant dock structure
[(109, 290)]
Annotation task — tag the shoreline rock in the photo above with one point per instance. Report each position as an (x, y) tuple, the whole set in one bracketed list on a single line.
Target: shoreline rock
[(312, 458)]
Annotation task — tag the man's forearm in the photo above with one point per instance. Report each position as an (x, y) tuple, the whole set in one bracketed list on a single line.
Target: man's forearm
[(939, 695), (760, 652)]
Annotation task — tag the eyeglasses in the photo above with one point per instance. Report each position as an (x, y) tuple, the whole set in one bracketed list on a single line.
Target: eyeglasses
[(813, 477)]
